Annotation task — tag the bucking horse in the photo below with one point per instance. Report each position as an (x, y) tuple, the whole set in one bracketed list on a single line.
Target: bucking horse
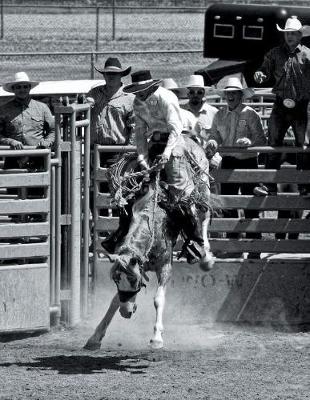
[(148, 246)]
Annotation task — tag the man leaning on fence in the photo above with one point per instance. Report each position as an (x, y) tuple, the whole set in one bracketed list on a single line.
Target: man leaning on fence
[(289, 65), (111, 122), (24, 121)]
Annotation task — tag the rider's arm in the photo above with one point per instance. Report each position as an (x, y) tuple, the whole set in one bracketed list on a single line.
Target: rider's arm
[(140, 130), (172, 114)]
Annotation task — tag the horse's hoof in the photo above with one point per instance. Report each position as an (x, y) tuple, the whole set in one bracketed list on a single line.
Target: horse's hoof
[(206, 263), (90, 345), (156, 344)]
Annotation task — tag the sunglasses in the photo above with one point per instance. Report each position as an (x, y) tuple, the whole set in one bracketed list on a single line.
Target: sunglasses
[(21, 87), (200, 92)]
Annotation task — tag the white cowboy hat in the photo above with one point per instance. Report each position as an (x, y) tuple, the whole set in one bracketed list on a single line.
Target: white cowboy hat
[(170, 84), (141, 80), (292, 25), (20, 77), (113, 65), (233, 83), (195, 81)]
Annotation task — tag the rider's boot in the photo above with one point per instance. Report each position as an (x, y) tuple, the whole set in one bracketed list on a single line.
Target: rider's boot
[(111, 243), (194, 245)]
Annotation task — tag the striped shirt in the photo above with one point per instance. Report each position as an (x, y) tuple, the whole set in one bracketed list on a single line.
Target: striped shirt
[(28, 123), (111, 117), (242, 122), (159, 112)]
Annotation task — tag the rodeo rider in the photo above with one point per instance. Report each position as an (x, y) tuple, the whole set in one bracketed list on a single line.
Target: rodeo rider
[(158, 120)]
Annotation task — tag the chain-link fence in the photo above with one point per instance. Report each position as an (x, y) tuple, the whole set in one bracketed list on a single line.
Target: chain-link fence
[(45, 66), (61, 28), (60, 40), (60, 43)]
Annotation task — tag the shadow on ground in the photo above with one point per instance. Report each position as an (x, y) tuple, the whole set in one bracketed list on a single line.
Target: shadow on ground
[(12, 336), (70, 365)]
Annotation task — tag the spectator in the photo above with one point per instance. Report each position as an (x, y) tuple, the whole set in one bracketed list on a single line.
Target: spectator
[(111, 124), (289, 66), (158, 128), (197, 105), (24, 121), (237, 125)]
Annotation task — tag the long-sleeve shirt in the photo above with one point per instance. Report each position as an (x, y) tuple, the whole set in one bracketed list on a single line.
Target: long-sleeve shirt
[(204, 118), (291, 71), (111, 117), (243, 121), (28, 123), (159, 112)]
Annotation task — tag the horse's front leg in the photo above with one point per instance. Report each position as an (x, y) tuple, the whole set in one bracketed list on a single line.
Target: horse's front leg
[(94, 342), (156, 341), (208, 261)]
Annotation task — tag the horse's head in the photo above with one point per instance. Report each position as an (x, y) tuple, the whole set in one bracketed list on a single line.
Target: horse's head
[(126, 273)]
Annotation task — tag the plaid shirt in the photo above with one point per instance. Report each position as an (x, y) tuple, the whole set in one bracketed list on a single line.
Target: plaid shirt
[(111, 117), (28, 123), (291, 71)]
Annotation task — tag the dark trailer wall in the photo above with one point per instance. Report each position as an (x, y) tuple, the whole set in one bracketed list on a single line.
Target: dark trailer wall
[(239, 35)]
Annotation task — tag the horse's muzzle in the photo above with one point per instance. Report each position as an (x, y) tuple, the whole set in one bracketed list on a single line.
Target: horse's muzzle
[(127, 309)]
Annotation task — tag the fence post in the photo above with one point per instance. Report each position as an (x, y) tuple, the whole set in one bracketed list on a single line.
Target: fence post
[(97, 28), (2, 20), (92, 65), (113, 20), (75, 234)]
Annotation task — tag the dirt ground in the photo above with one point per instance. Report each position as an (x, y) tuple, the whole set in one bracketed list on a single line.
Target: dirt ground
[(210, 362)]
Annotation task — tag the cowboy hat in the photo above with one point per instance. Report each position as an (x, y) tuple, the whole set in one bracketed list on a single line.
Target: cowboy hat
[(232, 84), (170, 84), (19, 77), (113, 65), (292, 25), (141, 80), (195, 81)]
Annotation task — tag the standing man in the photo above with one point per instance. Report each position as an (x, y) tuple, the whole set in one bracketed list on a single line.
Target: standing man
[(238, 125), (112, 109), (289, 65), (203, 112), (111, 124), (158, 128)]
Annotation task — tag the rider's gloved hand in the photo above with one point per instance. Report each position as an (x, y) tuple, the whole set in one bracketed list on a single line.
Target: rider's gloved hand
[(162, 161), (143, 165), (211, 148)]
